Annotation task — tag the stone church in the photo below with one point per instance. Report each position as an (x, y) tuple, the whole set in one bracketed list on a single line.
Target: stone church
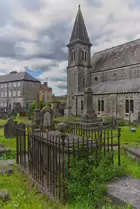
[(113, 74)]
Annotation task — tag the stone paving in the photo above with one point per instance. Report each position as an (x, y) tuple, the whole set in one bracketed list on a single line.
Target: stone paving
[(126, 190), (134, 152)]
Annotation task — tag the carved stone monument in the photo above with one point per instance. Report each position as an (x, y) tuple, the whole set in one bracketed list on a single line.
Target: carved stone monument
[(88, 115)]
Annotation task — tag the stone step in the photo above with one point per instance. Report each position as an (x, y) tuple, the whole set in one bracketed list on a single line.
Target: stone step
[(6, 166), (125, 191), (4, 149), (133, 152), (4, 195)]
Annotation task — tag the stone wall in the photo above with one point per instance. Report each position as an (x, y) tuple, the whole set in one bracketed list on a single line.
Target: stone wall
[(117, 74), (114, 105), (30, 90)]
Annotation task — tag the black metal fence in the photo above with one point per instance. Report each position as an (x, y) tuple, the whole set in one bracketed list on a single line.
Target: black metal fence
[(46, 157)]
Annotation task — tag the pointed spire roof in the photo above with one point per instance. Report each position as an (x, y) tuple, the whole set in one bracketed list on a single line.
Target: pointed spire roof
[(79, 32)]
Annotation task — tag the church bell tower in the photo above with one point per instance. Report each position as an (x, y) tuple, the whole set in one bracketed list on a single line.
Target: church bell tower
[(79, 57)]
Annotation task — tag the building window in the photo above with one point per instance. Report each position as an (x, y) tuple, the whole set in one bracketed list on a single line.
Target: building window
[(85, 56), (129, 105), (15, 84), (1, 104), (2, 94), (100, 105), (99, 109), (14, 93), (72, 55), (96, 79), (18, 93), (18, 84), (5, 85), (82, 105), (5, 93), (10, 84), (10, 93), (132, 105)]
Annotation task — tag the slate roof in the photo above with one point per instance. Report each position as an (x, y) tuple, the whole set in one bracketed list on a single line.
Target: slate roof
[(122, 55), (17, 77), (132, 85), (79, 32)]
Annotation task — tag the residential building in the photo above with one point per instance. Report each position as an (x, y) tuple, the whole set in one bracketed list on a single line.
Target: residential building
[(45, 93), (17, 88)]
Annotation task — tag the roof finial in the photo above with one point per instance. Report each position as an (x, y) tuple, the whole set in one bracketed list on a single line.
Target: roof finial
[(79, 6)]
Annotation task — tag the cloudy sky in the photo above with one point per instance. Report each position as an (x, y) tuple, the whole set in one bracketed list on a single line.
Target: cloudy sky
[(34, 33)]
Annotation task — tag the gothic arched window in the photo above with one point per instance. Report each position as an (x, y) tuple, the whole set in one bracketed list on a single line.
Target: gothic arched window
[(82, 105)]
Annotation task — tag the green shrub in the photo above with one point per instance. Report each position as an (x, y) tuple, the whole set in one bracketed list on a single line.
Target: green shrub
[(87, 184)]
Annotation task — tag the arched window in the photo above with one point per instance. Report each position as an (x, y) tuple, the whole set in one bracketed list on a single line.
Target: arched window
[(72, 55), (127, 106), (102, 105), (82, 105), (83, 55), (96, 79)]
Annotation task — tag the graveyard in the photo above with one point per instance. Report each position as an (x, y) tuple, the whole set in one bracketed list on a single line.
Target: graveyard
[(39, 157)]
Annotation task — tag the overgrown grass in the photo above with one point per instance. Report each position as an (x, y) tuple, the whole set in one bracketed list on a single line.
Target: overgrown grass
[(23, 194), (11, 143)]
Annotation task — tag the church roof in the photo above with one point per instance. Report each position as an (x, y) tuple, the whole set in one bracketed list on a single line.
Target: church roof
[(121, 86), (79, 32), (119, 56)]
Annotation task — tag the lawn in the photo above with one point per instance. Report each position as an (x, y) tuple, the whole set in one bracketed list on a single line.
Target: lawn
[(25, 196)]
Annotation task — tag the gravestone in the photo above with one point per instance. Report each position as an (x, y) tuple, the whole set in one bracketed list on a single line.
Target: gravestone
[(9, 128), (46, 118), (139, 117), (88, 115), (131, 116)]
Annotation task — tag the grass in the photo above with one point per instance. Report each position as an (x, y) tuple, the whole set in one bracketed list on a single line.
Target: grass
[(23, 194)]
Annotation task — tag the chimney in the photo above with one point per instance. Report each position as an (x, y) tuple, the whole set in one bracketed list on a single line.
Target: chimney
[(45, 84)]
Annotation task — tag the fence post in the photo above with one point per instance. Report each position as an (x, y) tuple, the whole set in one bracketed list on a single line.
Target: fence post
[(119, 135), (17, 146)]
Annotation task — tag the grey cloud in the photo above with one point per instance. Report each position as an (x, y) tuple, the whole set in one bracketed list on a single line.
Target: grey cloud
[(7, 48), (31, 5), (61, 86)]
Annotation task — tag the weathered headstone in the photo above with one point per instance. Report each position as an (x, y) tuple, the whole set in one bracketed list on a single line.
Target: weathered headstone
[(131, 116), (9, 128), (46, 118), (88, 111)]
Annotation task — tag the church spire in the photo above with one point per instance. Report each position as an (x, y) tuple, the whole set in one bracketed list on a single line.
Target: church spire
[(79, 32)]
